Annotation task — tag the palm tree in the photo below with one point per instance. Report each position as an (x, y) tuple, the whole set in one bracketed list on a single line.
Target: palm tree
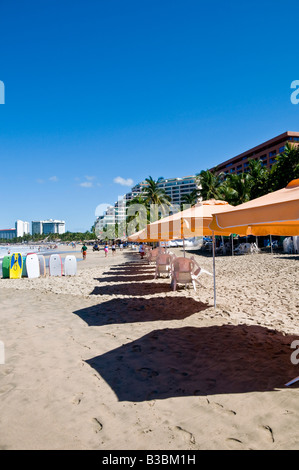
[(138, 216), (285, 169), (259, 177), (154, 194), (210, 184), (237, 188), (190, 199), (156, 199)]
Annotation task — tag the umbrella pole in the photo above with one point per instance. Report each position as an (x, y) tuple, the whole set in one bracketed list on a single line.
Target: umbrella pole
[(184, 247), (232, 244), (214, 271)]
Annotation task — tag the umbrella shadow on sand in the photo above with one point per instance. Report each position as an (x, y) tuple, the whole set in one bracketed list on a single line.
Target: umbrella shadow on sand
[(127, 277), (121, 311), (131, 269), (190, 361), (135, 288)]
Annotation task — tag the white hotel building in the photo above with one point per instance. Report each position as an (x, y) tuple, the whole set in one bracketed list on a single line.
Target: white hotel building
[(175, 188), (45, 227)]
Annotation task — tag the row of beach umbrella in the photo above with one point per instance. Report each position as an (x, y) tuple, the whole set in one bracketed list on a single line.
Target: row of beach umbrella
[(276, 213)]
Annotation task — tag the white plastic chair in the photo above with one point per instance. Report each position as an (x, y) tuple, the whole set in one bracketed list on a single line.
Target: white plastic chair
[(152, 255), (163, 264), (185, 271)]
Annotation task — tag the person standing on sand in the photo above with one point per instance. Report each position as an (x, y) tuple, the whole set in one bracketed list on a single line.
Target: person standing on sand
[(106, 249), (84, 249), (141, 250), (113, 248)]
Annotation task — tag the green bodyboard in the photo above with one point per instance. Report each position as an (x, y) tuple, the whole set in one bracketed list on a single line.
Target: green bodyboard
[(5, 267), (24, 271)]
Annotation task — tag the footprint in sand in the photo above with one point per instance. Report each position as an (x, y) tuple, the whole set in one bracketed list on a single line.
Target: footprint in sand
[(78, 398), (187, 435), (98, 425), (218, 407)]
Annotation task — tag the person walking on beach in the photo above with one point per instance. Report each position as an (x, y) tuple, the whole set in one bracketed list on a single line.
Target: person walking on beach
[(113, 248), (84, 249), (141, 250), (106, 249)]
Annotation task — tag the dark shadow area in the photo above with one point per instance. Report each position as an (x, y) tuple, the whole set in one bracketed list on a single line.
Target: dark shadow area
[(292, 257), (141, 270), (127, 278), (131, 267), (118, 311), (133, 288), (198, 361)]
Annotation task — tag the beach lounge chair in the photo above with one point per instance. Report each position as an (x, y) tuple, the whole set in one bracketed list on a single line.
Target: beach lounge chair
[(163, 264), (152, 255), (254, 248), (243, 248), (185, 271)]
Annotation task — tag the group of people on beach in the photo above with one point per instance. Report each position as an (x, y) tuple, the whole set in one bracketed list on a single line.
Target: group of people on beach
[(106, 249), (113, 248)]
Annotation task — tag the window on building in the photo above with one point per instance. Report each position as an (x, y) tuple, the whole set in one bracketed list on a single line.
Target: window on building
[(271, 154), (281, 150)]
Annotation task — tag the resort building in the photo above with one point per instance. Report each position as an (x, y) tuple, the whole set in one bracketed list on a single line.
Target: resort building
[(8, 234), (22, 228), (267, 151), (45, 227), (175, 188)]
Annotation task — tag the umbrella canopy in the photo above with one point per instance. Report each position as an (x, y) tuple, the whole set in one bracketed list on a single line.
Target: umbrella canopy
[(275, 213), (192, 222)]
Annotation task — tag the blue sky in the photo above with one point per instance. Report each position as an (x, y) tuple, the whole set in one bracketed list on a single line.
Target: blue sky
[(99, 93)]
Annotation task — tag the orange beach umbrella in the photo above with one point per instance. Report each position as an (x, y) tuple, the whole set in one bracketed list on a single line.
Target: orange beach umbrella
[(191, 222), (275, 213)]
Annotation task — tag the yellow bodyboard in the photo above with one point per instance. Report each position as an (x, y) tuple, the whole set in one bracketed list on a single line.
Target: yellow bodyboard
[(16, 266)]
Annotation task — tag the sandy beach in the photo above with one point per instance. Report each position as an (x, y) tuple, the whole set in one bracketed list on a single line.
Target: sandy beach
[(112, 359)]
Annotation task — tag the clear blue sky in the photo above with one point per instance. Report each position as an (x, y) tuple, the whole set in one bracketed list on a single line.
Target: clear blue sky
[(100, 89)]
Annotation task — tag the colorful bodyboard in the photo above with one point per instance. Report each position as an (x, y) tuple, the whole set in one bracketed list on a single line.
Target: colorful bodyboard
[(32, 265), (16, 266), (42, 265), (24, 271), (70, 265), (5, 267), (55, 265)]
